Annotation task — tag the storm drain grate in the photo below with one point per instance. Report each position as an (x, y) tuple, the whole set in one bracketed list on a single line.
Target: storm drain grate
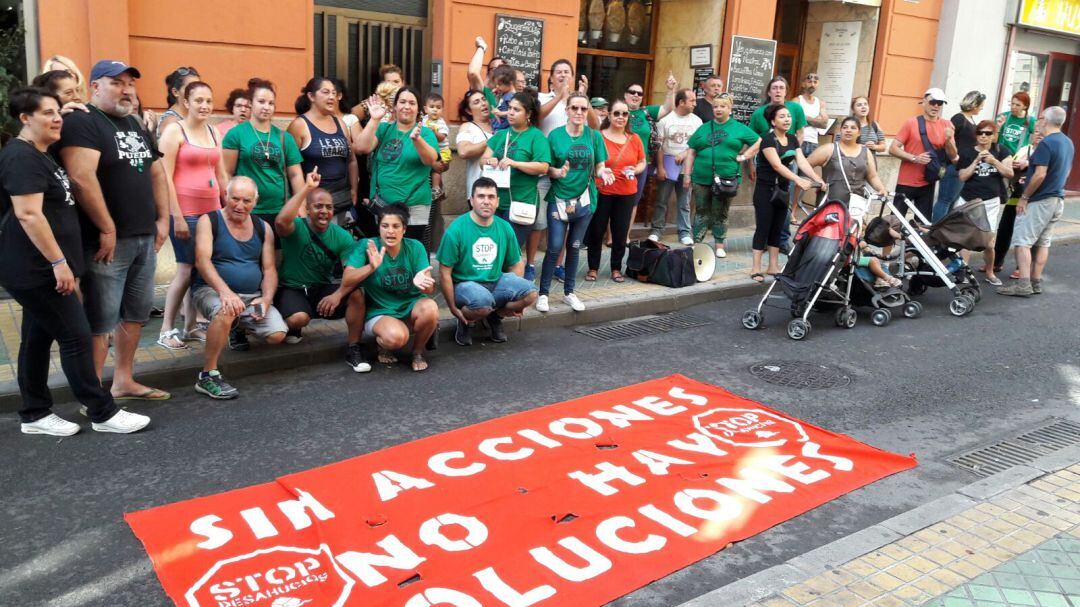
[(646, 325), (800, 374), (1019, 449)]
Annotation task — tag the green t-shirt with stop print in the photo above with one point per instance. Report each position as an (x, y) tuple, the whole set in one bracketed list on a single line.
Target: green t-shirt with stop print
[(399, 175), (390, 291), (583, 152), (529, 145), (479, 253), (716, 147)]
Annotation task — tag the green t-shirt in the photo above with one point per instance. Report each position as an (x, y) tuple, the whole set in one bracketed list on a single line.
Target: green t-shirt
[(398, 174), (493, 103), (717, 145), (259, 156), (1016, 132), (760, 126), (390, 291), (479, 253), (304, 263), (529, 145), (639, 124), (583, 152)]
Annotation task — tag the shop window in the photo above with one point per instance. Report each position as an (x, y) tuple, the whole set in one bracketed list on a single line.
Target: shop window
[(616, 42)]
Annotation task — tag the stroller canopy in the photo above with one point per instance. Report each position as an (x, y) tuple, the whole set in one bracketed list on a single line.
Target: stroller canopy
[(965, 227)]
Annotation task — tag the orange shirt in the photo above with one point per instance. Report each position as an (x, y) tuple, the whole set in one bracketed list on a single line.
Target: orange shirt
[(620, 156), (912, 174)]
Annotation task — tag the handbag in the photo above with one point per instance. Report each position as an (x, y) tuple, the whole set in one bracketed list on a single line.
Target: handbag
[(935, 169), (721, 186), (521, 213)]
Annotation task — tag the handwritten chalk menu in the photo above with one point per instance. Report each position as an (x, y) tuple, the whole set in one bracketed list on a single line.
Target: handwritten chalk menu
[(750, 69), (520, 40)]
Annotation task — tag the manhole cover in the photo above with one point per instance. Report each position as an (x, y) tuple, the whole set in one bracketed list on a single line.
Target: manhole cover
[(800, 374), (646, 325), (1018, 449)]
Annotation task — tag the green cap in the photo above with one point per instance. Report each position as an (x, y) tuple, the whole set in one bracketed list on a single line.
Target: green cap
[(598, 102)]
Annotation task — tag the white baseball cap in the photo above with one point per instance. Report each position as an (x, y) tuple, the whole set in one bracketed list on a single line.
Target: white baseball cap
[(935, 95)]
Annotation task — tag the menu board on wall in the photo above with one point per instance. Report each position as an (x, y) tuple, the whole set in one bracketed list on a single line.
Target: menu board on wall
[(749, 70), (520, 40), (837, 60)]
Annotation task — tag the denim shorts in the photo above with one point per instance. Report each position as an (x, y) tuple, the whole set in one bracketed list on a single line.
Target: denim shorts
[(121, 291), (184, 250), (478, 295)]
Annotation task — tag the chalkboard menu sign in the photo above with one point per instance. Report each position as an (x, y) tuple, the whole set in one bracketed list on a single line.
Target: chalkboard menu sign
[(520, 40), (750, 69)]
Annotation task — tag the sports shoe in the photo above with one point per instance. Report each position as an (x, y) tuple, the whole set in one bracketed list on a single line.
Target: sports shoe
[(462, 334), (1036, 286), (495, 324), (574, 302), (542, 304), (1019, 288), (721, 252), (354, 357), (238, 340), (654, 237), (122, 422), (214, 385), (294, 336), (530, 272), (51, 424), (559, 273), (687, 241)]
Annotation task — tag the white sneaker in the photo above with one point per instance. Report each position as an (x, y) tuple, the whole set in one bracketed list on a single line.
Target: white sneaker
[(687, 241), (721, 252), (542, 304), (574, 302), (654, 238), (51, 424), (123, 422)]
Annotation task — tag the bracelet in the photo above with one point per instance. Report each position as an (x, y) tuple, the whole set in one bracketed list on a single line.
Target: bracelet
[(58, 262)]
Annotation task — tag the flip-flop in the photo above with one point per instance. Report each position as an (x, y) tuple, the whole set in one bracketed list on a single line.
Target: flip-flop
[(757, 277), (150, 394), (590, 276), (617, 277), (387, 357), (418, 359)]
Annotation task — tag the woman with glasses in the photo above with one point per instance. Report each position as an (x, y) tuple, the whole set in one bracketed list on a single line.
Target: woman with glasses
[(963, 123), (63, 84), (615, 206), (326, 143), (577, 163), (238, 105), (643, 119), (981, 169), (60, 62), (174, 89)]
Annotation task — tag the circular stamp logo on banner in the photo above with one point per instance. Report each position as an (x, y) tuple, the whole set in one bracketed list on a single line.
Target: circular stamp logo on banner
[(749, 428), (282, 576)]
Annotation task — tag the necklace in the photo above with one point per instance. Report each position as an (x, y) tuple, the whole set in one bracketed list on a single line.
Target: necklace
[(265, 146)]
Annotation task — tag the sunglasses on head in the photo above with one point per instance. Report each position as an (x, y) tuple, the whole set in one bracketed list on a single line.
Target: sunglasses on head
[(186, 71), (619, 114), (987, 133), (635, 92)]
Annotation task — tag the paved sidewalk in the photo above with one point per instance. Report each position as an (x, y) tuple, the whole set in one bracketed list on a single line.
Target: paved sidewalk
[(324, 340)]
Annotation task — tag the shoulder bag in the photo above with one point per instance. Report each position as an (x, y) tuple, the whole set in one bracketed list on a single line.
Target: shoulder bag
[(935, 170), (521, 213), (722, 187)]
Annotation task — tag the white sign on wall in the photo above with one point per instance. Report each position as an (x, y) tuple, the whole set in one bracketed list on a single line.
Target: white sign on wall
[(837, 60)]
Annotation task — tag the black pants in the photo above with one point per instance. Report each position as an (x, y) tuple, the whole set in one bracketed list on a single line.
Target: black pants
[(1004, 234), (770, 216), (47, 317), (616, 211), (921, 198)]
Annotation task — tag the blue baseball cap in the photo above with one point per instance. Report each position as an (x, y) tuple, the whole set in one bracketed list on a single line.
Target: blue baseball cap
[(107, 68)]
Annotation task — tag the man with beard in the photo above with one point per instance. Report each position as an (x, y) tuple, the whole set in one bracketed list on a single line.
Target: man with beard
[(124, 212), (817, 119)]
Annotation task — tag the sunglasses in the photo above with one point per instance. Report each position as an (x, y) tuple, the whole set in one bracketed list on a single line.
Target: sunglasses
[(936, 103), (620, 114), (724, 96), (638, 93), (186, 71), (577, 108), (986, 133)]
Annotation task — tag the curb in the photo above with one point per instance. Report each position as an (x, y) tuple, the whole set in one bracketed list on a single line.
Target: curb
[(324, 349), (773, 580)]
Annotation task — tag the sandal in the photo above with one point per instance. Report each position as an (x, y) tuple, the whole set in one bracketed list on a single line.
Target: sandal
[(386, 357), (1015, 275), (418, 363), (196, 334), (617, 277), (590, 276), (170, 340), (757, 277)]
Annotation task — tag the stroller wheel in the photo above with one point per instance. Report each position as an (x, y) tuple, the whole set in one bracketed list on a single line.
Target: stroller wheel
[(846, 318), (798, 329), (961, 305), (881, 317), (752, 319), (973, 293), (913, 309)]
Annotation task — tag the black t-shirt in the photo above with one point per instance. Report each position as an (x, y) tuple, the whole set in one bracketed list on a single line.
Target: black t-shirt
[(704, 109), (766, 176), (965, 132), (26, 170), (127, 151), (986, 182)]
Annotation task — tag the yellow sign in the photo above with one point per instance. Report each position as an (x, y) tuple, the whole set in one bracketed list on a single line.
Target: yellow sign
[(1056, 15)]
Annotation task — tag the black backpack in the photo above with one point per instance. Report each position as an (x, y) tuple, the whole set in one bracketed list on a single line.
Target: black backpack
[(659, 264)]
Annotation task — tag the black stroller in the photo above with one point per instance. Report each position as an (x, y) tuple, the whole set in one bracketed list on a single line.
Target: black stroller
[(818, 272)]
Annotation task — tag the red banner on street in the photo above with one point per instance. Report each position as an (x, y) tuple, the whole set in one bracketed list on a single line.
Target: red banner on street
[(573, 504)]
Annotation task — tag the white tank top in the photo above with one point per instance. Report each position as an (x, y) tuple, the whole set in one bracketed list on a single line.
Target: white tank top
[(812, 110)]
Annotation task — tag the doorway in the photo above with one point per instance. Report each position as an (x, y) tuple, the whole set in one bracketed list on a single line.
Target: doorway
[(1062, 75)]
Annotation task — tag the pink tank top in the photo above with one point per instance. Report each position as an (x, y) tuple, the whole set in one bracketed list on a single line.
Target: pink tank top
[(195, 177)]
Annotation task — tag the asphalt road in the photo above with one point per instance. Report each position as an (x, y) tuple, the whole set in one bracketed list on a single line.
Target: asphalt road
[(931, 386)]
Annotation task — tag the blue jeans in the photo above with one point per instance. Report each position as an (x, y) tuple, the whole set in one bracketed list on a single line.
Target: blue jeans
[(682, 198), (121, 291), (577, 225), (948, 191), (494, 295)]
